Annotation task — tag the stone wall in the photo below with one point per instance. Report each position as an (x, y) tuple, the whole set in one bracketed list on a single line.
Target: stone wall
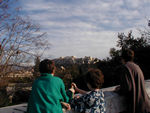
[(16, 90), (114, 102)]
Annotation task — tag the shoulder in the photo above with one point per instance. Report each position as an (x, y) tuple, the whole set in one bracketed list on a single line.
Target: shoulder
[(133, 66), (101, 93), (98, 93), (58, 80), (95, 94), (36, 81)]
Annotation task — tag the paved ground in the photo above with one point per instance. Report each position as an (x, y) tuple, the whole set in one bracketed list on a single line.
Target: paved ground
[(21, 108)]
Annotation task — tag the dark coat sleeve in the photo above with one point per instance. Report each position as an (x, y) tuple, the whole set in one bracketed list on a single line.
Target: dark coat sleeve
[(125, 81)]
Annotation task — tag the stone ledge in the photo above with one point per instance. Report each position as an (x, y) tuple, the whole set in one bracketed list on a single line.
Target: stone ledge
[(114, 102)]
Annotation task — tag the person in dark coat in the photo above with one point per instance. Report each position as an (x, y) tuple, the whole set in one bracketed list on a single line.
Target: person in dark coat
[(132, 84)]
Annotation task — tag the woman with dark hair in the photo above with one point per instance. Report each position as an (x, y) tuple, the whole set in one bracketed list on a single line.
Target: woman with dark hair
[(48, 91), (93, 101)]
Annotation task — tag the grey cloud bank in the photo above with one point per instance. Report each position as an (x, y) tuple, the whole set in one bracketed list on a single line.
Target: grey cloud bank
[(85, 27)]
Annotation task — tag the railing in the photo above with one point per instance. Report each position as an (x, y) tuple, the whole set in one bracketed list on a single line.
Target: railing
[(114, 102)]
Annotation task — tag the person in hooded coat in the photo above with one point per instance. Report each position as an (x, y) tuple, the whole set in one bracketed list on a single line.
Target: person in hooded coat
[(132, 84)]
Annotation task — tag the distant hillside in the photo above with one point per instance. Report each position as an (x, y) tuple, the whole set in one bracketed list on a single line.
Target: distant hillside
[(70, 60)]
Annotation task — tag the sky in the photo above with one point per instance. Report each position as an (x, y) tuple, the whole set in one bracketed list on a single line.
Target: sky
[(86, 27)]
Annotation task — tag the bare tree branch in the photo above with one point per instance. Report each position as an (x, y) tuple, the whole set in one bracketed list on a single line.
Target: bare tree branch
[(20, 39)]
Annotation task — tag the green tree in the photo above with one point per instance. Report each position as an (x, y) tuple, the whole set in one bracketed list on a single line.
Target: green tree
[(114, 53), (128, 41), (141, 47)]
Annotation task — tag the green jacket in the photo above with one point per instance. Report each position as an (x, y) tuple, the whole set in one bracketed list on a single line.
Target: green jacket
[(47, 93)]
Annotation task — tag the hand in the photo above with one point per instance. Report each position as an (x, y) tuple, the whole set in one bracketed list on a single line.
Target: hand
[(66, 105), (117, 89), (74, 86), (78, 89)]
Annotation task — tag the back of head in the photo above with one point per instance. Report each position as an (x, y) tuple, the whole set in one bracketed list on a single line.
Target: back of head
[(95, 78), (127, 55), (47, 66)]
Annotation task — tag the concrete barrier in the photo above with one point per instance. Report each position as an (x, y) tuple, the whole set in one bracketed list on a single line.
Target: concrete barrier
[(114, 102)]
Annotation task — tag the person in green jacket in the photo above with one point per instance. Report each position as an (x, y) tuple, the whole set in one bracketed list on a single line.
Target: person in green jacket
[(48, 92)]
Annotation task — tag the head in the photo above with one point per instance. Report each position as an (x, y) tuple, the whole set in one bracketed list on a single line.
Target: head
[(95, 78), (47, 66), (127, 55)]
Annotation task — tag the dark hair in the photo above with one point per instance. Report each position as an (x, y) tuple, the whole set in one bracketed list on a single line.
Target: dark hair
[(127, 55), (94, 77), (46, 66)]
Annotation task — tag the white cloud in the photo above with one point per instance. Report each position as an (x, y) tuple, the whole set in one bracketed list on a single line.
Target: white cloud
[(85, 27), (85, 44), (35, 5)]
